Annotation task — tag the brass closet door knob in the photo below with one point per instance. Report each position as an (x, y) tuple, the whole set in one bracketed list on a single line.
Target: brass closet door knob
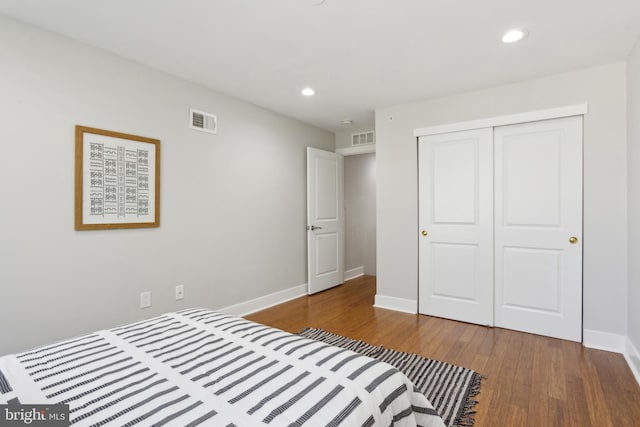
[(573, 240), (424, 232)]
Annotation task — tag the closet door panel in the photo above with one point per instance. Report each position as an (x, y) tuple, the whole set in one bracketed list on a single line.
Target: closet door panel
[(531, 179), (538, 227), (456, 226)]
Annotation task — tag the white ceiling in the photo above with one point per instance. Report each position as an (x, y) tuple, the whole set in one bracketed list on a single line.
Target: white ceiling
[(358, 54)]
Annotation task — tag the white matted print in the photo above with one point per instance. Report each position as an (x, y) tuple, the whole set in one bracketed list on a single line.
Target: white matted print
[(117, 180)]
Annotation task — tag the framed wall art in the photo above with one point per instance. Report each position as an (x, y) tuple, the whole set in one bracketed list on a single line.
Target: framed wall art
[(117, 180)]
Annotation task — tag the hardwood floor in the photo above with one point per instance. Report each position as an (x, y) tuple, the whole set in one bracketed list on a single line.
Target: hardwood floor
[(530, 380)]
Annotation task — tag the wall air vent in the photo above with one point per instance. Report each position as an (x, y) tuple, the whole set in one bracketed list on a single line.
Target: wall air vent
[(363, 138), (206, 122)]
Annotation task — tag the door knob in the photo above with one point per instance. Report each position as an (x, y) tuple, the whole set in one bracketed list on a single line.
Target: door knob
[(424, 233), (313, 227), (573, 240)]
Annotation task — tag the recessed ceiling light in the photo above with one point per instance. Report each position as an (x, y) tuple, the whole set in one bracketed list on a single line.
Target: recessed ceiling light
[(307, 91), (514, 35)]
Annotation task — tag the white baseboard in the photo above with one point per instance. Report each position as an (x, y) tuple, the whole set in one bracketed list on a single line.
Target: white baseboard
[(260, 303), (353, 273), (632, 356), (397, 304), (603, 341)]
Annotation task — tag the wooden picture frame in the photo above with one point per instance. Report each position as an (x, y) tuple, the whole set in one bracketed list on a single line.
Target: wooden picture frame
[(117, 180)]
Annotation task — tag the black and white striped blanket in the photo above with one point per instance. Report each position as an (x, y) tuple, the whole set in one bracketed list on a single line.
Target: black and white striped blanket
[(199, 367)]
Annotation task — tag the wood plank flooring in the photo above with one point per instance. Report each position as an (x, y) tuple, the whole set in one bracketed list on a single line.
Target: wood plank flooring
[(530, 380)]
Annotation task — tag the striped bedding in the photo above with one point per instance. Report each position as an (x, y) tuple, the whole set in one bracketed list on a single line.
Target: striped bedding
[(199, 367)]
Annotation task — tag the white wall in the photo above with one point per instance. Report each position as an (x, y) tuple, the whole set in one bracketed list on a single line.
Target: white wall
[(633, 129), (233, 205), (605, 210), (344, 138), (360, 212)]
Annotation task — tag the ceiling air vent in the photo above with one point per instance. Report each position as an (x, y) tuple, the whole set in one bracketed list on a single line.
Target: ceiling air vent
[(363, 138), (206, 122)]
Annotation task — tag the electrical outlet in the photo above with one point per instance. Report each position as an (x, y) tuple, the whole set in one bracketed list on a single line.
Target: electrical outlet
[(179, 292), (145, 299)]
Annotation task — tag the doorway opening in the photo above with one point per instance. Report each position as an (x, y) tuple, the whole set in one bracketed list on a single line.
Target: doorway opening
[(360, 215)]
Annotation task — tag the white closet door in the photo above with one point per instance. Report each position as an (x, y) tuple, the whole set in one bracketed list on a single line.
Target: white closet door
[(538, 227), (456, 226)]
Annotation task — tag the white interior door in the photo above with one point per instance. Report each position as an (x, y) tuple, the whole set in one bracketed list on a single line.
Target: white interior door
[(456, 226), (325, 219), (538, 227)]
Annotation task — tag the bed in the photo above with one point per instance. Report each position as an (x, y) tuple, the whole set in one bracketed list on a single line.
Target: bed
[(200, 367)]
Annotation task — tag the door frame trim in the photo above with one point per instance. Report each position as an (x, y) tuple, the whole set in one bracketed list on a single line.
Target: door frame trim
[(511, 119), (354, 151)]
